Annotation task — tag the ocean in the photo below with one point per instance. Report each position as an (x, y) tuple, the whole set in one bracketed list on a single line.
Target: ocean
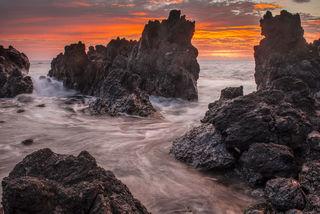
[(135, 149)]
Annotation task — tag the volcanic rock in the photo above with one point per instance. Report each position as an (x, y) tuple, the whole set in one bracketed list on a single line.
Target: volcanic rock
[(231, 93), (165, 58), (284, 194), (268, 161), (45, 182), (14, 67), (189, 148), (123, 74)]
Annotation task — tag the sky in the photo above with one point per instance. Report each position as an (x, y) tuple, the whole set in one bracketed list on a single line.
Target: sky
[(225, 29)]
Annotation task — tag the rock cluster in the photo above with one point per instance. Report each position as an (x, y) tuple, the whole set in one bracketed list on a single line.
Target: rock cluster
[(45, 182), (123, 74), (270, 137), (14, 67)]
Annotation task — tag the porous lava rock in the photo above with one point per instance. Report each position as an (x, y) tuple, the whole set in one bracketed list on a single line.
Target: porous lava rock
[(46, 182)]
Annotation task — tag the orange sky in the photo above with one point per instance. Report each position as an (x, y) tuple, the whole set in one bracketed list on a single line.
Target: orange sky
[(224, 30)]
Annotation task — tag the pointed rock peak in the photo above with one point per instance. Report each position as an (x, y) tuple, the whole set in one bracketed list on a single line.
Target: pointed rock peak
[(281, 26), (174, 15)]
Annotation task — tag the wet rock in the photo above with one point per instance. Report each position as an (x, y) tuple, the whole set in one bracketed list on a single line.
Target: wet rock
[(20, 110), (310, 177), (259, 117), (2, 121), (25, 99), (284, 194), (231, 92), (45, 182), (262, 208), (27, 142), (313, 204), (268, 161), (202, 147), (257, 193), (166, 60), (41, 105), (123, 74), (14, 67)]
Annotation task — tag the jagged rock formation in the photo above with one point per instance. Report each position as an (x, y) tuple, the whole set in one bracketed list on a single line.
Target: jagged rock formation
[(14, 67), (45, 182), (273, 133), (165, 58), (123, 74)]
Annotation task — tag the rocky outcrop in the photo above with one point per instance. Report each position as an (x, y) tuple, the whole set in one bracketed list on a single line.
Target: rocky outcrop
[(273, 133), (123, 74), (165, 58), (14, 67), (45, 182)]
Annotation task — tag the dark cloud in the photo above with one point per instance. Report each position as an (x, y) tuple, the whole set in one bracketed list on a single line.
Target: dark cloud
[(302, 1)]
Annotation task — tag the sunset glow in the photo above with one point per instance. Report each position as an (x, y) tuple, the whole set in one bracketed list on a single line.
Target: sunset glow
[(223, 28)]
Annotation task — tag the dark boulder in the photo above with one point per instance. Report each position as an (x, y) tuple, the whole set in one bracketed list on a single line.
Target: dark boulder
[(267, 161), (202, 148), (284, 194), (45, 182), (14, 67)]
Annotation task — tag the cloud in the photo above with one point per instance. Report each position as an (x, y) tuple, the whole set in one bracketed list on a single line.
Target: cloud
[(42, 28), (301, 1)]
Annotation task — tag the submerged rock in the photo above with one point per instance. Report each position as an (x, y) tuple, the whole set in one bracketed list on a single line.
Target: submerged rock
[(14, 67), (45, 182), (27, 142), (123, 74)]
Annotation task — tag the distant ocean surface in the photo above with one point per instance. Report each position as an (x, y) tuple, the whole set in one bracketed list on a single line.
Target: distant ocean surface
[(135, 149)]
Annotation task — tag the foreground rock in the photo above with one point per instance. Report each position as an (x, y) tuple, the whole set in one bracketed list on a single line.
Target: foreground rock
[(123, 74), (14, 67), (271, 134), (45, 182)]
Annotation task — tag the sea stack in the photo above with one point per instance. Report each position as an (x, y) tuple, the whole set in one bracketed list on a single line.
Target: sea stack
[(46, 182), (14, 67), (123, 74), (268, 137)]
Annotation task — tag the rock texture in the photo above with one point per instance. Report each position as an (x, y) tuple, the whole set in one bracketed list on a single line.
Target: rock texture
[(45, 182), (273, 133), (14, 67), (123, 74)]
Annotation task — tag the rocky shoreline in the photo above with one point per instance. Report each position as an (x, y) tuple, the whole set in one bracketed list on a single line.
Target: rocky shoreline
[(270, 137), (123, 74)]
